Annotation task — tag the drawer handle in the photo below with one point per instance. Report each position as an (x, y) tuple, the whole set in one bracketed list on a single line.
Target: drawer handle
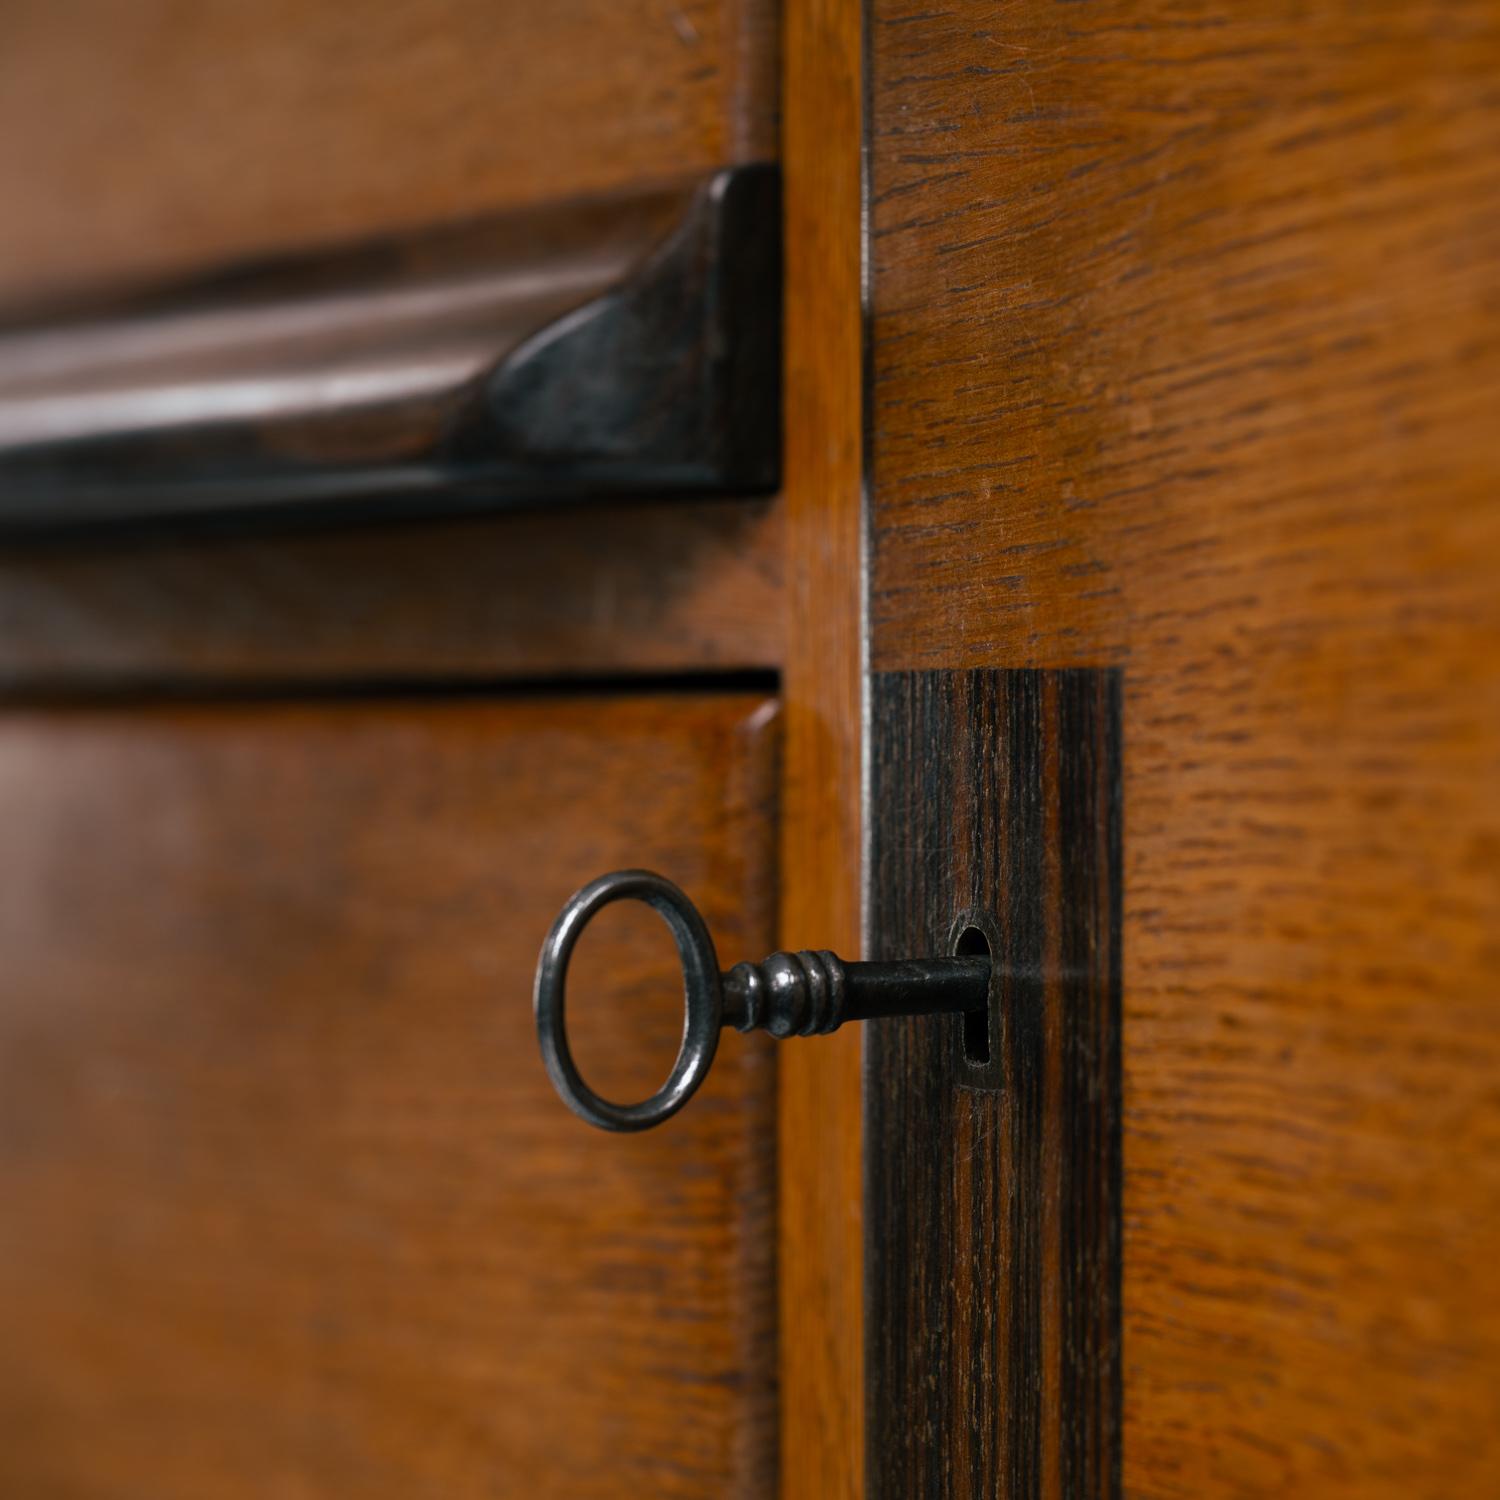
[(613, 347), (787, 994)]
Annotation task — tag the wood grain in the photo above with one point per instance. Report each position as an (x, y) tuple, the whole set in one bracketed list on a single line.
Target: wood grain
[(1186, 358), (821, 1194), (993, 1162), (141, 141), (648, 588), (291, 1207)]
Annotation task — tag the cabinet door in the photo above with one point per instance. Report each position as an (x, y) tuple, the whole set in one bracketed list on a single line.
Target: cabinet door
[(290, 1206), (1185, 355)]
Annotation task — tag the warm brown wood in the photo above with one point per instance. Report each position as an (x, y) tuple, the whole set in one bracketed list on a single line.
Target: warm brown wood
[(290, 1206), (820, 1206), (992, 1181), (142, 140), (632, 588), (1187, 358)]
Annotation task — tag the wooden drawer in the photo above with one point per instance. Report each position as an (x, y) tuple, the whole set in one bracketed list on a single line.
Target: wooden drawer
[(428, 256), (149, 140), (291, 1208)]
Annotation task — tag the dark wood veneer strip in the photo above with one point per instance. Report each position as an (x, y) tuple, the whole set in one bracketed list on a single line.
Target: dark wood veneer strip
[(994, 1212)]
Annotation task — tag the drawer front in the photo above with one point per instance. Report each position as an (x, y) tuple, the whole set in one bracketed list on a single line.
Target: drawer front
[(291, 1207), (431, 256), (145, 141)]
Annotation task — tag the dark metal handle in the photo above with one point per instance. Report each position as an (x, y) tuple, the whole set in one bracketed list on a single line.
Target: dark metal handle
[(788, 994), (622, 346)]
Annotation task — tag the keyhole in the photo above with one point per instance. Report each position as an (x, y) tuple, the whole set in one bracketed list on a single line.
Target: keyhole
[(972, 943)]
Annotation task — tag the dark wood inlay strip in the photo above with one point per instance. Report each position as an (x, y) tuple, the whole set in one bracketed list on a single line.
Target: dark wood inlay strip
[(993, 1215)]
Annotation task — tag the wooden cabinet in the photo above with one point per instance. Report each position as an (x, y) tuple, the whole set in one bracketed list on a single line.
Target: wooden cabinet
[(1185, 358), (288, 808), (1118, 588)]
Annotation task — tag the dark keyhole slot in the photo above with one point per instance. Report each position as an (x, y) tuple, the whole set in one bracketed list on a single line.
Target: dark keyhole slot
[(972, 943)]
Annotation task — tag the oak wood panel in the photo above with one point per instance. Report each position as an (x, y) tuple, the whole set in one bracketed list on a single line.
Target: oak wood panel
[(993, 1171), (141, 140), (290, 1206), (620, 589), (820, 1207), (1186, 358)]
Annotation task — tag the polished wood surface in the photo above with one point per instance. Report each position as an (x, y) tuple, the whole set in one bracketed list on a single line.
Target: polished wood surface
[(604, 591), (144, 140), (992, 1179), (290, 1205), (1186, 358), (820, 1205)]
